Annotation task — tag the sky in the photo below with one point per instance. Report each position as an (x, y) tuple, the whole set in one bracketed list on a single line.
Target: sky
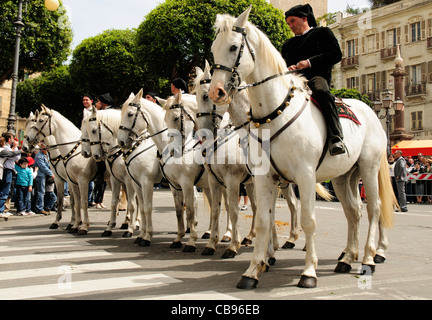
[(91, 17)]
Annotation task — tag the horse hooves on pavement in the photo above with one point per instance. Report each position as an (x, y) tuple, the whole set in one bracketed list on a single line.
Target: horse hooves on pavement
[(144, 243), (288, 245), (189, 248), (73, 230), (272, 261), (127, 234), (54, 226), (342, 267), (138, 240), (247, 283), (229, 254), (226, 239), (246, 242), (69, 226), (107, 233), (176, 245), (124, 226), (82, 232), (206, 235), (367, 269), (379, 259), (307, 282), (208, 251)]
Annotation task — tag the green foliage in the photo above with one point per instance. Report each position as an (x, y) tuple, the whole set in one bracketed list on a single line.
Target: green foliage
[(352, 94), (176, 36), (45, 39), (105, 63), (54, 89)]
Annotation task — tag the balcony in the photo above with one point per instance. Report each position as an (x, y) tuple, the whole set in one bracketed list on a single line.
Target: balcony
[(388, 53), (415, 89), (350, 62)]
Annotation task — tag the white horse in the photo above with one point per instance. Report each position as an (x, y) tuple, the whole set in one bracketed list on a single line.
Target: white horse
[(57, 167), (177, 167), (227, 170), (283, 117), (100, 128), (80, 171)]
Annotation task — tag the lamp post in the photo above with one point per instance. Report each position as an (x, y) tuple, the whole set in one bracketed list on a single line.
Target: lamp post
[(385, 110), (51, 5)]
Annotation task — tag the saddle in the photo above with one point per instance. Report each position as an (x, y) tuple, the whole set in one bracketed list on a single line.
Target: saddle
[(343, 109)]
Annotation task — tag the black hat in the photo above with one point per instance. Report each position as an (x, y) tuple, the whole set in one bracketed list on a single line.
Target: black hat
[(107, 99), (180, 84), (302, 11)]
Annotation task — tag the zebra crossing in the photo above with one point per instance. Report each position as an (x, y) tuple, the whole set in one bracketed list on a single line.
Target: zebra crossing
[(44, 264)]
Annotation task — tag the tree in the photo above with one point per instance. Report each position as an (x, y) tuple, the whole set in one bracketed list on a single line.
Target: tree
[(176, 37), (352, 94), (105, 63), (45, 39), (381, 3)]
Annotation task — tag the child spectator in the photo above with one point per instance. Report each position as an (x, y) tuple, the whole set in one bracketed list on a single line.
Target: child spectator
[(24, 185)]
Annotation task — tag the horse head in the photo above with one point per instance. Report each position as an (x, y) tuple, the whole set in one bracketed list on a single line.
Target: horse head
[(39, 126), (85, 141)]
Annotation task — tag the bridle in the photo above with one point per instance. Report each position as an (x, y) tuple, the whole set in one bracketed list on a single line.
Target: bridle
[(139, 112), (213, 113), (235, 76)]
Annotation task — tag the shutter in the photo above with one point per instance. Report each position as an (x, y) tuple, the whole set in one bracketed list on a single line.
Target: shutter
[(378, 82), (398, 35), (362, 45), (363, 84), (423, 73), (377, 39), (429, 70), (384, 80), (343, 49), (383, 40), (429, 27), (423, 29), (356, 46), (407, 33), (357, 83)]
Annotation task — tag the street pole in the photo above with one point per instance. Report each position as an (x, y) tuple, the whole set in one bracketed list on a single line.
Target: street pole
[(19, 25)]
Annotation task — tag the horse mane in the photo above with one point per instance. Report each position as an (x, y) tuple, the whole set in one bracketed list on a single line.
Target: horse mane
[(270, 55), (111, 117)]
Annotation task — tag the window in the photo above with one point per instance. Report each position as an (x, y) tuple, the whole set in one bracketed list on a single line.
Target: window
[(352, 83), (416, 74), (370, 43), (391, 38), (415, 32), (351, 48), (416, 120)]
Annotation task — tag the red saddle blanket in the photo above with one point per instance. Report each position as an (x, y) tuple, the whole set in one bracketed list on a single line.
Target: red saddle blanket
[(343, 110)]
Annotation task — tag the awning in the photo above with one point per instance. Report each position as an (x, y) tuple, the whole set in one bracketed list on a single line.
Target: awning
[(413, 147)]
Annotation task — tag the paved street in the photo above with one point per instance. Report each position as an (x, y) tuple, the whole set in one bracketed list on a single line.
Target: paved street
[(38, 263)]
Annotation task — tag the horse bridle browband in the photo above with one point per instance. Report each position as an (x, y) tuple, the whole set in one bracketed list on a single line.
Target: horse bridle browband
[(139, 111)]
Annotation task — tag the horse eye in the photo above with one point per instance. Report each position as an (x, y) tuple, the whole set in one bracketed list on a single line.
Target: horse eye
[(233, 48), (205, 97), (176, 118), (94, 131), (130, 114), (40, 120)]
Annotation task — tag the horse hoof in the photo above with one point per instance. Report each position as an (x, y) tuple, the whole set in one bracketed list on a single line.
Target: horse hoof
[(73, 230), (229, 254), (82, 232), (189, 248), (188, 230), (69, 226), (54, 226), (127, 234), (206, 235), (247, 283), (367, 269), (272, 261), (145, 243), (137, 240), (124, 226), (107, 233), (342, 267), (176, 245), (226, 239), (307, 282), (288, 245), (208, 251), (379, 259), (246, 242)]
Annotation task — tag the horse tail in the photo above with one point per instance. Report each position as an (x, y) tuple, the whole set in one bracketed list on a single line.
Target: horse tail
[(386, 194), (323, 192)]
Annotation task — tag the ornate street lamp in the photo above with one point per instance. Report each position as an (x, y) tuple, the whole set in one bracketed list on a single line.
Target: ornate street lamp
[(51, 5), (389, 107)]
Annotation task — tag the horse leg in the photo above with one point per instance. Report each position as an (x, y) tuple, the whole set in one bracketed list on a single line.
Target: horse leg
[(250, 191), (190, 198), (273, 244), (229, 230), (266, 188), (291, 200), (131, 209), (308, 223), (114, 206), (60, 197), (216, 191), (147, 209), (73, 213), (382, 245), (233, 188), (346, 189), (83, 190), (77, 207), (179, 208)]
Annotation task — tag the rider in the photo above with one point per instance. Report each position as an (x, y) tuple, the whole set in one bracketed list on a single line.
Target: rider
[(314, 50)]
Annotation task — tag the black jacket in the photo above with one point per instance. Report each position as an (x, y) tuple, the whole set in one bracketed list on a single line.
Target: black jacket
[(320, 46)]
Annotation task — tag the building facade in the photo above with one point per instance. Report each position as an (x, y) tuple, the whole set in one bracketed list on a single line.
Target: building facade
[(369, 44)]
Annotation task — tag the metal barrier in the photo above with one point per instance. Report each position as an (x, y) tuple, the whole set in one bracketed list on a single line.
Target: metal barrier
[(419, 184)]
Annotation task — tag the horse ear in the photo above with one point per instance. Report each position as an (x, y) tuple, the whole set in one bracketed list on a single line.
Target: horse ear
[(131, 96), (178, 98), (93, 111), (243, 18), (31, 114), (46, 109), (198, 72), (161, 101), (207, 73), (139, 94)]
